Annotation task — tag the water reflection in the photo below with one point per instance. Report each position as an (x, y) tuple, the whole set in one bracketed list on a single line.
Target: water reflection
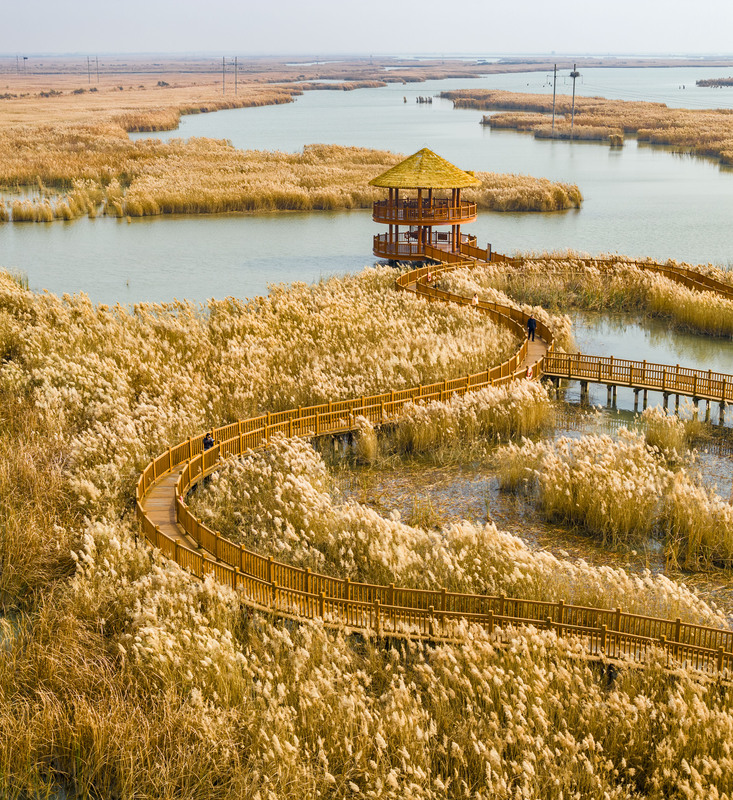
[(644, 339)]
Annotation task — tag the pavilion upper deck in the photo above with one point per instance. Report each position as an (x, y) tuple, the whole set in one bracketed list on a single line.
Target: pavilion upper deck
[(426, 212)]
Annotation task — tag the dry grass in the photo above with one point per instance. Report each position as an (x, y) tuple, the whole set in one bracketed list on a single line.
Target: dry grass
[(523, 193), (703, 133)]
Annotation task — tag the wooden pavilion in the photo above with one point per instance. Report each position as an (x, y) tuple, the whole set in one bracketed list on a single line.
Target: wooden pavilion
[(418, 202)]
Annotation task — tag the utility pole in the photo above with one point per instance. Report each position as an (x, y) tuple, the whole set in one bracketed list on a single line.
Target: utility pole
[(235, 76), (223, 73), (97, 57), (554, 91), (89, 69), (574, 74), (17, 64)]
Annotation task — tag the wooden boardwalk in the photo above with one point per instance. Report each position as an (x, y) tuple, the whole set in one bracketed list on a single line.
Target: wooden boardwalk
[(279, 588)]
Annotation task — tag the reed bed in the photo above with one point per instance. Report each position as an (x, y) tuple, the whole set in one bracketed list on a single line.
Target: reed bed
[(624, 492), (611, 488), (668, 433), (79, 151), (495, 414), (122, 676), (614, 283), (715, 82), (706, 133), (500, 192), (698, 527), (91, 170)]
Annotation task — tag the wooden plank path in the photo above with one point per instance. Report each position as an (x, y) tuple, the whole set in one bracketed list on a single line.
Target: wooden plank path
[(284, 590)]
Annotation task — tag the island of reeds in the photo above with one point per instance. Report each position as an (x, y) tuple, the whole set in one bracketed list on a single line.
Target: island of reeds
[(700, 132)]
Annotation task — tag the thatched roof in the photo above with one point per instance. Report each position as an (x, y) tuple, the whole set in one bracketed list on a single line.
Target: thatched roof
[(425, 170)]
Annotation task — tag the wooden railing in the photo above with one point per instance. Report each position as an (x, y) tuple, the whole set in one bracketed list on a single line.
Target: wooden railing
[(696, 383), (404, 245), (390, 610), (410, 213)]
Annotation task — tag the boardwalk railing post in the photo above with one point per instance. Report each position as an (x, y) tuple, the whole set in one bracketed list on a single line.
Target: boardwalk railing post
[(322, 605), (719, 662), (431, 622), (377, 619), (603, 638)]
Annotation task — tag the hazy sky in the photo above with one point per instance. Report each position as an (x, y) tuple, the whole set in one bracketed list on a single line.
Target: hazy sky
[(241, 27)]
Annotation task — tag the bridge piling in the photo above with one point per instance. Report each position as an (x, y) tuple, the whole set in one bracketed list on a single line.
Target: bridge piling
[(636, 399), (721, 415), (677, 404), (584, 393), (609, 393), (707, 411), (665, 400), (646, 395)]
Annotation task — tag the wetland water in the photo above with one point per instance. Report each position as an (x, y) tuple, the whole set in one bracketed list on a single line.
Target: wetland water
[(639, 200)]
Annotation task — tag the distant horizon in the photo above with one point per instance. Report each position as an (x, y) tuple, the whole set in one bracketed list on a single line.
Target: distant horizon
[(322, 56), (414, 27)]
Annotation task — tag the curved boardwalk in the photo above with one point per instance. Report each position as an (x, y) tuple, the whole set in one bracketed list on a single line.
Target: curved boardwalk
[(266, 584)]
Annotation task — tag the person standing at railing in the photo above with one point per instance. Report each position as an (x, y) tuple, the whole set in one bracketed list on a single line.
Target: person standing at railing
[(531, 327), (208, 441), (474, 300)]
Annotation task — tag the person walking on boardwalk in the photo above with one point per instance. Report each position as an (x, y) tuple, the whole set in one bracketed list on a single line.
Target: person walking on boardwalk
[(474, 300), (208, 441), (531, 327)]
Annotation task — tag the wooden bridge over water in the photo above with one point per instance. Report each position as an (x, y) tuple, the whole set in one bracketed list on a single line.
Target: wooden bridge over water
[(288, 591)]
